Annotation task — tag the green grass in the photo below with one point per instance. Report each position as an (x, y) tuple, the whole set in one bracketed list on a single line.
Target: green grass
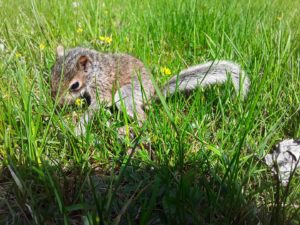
[(197, 160)]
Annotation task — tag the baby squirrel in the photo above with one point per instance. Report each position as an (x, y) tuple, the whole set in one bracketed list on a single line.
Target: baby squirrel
[(123, 80)]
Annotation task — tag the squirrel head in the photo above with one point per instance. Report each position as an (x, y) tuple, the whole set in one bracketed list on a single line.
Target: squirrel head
[(70, 74)]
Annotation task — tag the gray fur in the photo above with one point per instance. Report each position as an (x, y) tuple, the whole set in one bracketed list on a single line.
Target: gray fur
[(130, 97), (213, 72), (124, 80)]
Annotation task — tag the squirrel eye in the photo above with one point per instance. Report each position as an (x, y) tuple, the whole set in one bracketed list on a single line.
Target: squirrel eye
[(75, 86)]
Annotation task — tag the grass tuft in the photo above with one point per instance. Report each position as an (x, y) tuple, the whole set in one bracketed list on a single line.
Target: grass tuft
[(198, 159)]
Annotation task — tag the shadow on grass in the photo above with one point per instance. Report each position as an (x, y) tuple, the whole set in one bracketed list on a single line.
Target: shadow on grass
[(132, 194), (202, 190)]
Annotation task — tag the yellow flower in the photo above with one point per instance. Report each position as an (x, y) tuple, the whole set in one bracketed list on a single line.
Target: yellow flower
[(165, 71), (280, 17), (42, 46), (79, 30), (97, 219), (105, 39), (18, 54), (79, 102)]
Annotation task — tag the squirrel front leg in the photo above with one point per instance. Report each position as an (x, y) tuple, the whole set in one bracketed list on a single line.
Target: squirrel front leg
[(80, 128), (130, 99)]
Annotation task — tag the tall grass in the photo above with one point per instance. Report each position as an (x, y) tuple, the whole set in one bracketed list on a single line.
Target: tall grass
[(198, 159)]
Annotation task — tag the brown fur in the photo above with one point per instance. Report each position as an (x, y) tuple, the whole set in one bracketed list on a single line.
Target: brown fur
[(103, 77), (123, 80)]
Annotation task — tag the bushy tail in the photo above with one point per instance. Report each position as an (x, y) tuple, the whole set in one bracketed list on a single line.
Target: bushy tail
[(213, 72)]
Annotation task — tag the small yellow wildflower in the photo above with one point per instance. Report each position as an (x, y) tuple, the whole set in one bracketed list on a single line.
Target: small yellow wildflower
[(165, 71), (279, 18), (42, 46), (105, 39), (18, 54), (79, 102), (97, 219), (79, 30)]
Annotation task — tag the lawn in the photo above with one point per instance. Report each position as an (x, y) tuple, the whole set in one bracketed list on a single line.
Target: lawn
[(198, 159)]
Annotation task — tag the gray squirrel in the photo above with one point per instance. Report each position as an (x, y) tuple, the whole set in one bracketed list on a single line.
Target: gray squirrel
[(123, 80)]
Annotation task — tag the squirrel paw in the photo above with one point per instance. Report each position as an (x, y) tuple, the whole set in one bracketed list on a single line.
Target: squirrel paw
[(80, 130)]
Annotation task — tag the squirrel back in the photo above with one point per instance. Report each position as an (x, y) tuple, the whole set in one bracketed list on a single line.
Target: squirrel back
[(82, 72)]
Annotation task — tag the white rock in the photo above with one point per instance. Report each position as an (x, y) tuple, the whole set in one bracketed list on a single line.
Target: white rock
[(286, 158)]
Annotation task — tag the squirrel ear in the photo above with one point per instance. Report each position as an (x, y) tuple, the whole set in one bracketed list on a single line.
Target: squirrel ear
[(83, 62), (60, 51)]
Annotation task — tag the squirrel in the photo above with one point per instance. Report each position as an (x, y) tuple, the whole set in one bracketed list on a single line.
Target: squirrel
[(123, 80)]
